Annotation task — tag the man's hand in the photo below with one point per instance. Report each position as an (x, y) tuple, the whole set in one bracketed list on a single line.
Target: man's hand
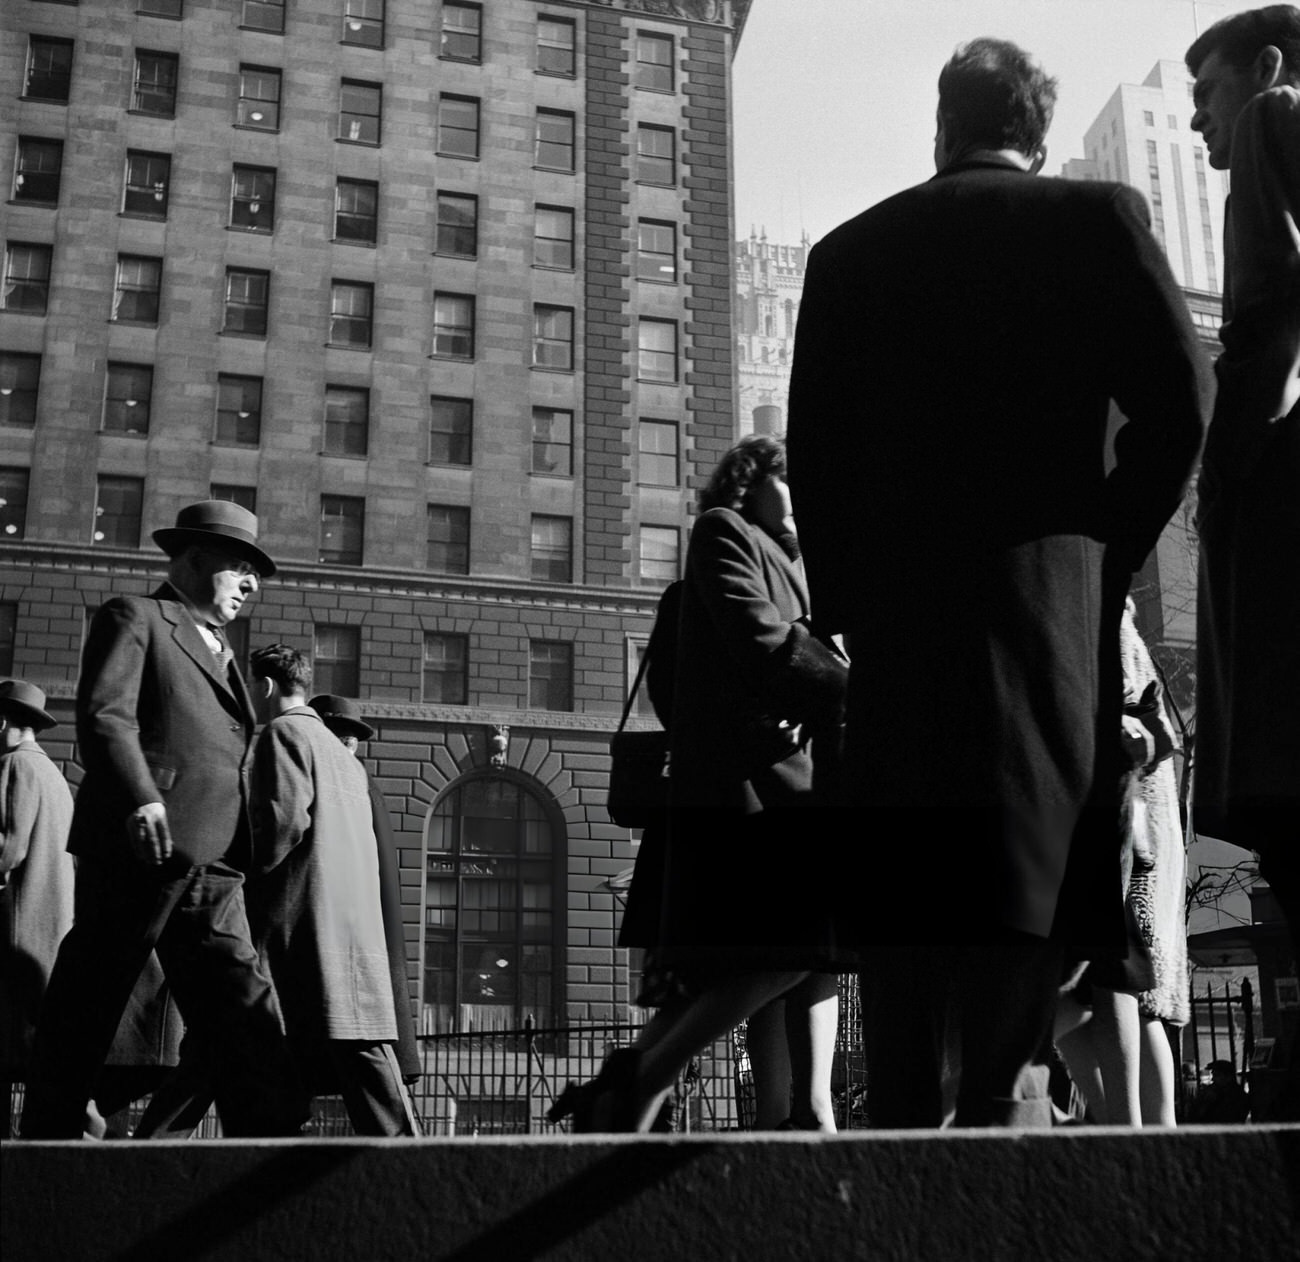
[(149, 836)]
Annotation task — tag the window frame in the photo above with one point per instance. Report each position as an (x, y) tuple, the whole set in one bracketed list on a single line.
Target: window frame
[(473, 36), (645, 563), (550, 560), (144, 195), (15, 501), (128, 396), (135, 292), (448, 668), (561, 654), (454, 331), (234, 493), (349, 512), (367, 30), (564, 149), (243, 216), (645, 454), (545, 442), (647, 355), (144, 88), (345, 429), (449, 555), (646, 161), (352, 216), (119, 483), (246, 106), (18, 396), (569, 71), (455, 434), (553, 347), (35, 183), (332, 677), (272, 9), (349, 330), (354, 120), (51, 75), (33, 280), (544, 242), (249, 418), (230, 304), (654, 74), (646, 257), (445, 199), (448, 131)]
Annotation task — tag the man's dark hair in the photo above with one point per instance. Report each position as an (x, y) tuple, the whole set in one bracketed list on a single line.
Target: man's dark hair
[(1238, 39), (993, 95), (746, 465), (288, 669)]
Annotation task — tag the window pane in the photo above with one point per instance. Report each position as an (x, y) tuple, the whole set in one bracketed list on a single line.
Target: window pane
[(657, 350), (38, 170), (654, 61), (117, 512), (356, 211), (347, 421), (553, 237), (462, 26), (659, 553), (336, 661), (552, 441), (351, 314), (246, 302), (154, 90), (27, 278), (342, 530), (457, 226), (135, 298), (127, 394), (550, 676), (20, 380), (13, 502), (239, 410), (264, 15), (458, 126), (363, 23), (8, 624), (252, 198), (445, 672), (656, 155), (552, 549), (147, 182), (451, 429), (656, 250), (657, 453), (359, 112), (259, 98), (244, 496), (448, 539), (49, 69), (555, 132), (453, 326), (553, 337), (555, 46)]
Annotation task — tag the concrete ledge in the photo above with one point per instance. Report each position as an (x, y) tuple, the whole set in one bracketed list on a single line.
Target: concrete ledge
[(1212, 1193)]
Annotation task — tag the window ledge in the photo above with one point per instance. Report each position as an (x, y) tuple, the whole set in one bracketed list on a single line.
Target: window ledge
[(254, 232), (537, 166), (241, 335), (142, 218), (651, 280), (343, 455), (135, 324), (167, 118), (365, 245), (447, 464), (123, 433), (23, 311), (216, 442), (571, 75), (32, 201), (361, 144), (464, 61), (655, 184), (346, 346), (443, 254), (563, 372), (553, 267), (464, 157), (455, 359), (270, 131), (46, 100), (261, 30)]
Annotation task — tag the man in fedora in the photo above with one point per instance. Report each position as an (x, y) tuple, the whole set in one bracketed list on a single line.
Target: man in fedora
[(36, 873), (160, 831), (342, 716)]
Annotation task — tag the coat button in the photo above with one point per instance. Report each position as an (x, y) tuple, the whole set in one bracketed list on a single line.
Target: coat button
[(236, 727)]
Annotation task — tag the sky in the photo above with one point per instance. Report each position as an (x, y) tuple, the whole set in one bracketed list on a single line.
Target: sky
[(835, 99)]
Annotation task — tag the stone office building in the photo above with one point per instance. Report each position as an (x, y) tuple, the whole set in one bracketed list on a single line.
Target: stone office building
[(442, 291)]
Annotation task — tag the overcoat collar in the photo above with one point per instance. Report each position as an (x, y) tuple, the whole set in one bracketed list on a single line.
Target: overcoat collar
[(185, 633), (986, 162)]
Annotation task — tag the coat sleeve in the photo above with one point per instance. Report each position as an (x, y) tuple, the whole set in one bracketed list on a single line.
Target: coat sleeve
[(1162, 382), (283, 790), (109, 700), (791, 673), (18, 805)]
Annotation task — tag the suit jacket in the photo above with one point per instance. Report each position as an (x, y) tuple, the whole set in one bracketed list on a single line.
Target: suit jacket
[(157, 722), (957, 351)]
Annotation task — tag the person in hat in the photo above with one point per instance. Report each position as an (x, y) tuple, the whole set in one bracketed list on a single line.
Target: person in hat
[(160, 830), (36, 873), (342, 716)]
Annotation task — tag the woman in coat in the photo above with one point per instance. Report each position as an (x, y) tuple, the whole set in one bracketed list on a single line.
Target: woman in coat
[(744, 918)]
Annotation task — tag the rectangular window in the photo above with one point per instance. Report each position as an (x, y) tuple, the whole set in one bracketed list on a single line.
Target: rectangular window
[(555, 139), (137, 289), (453, 326), (553, 442), (556, 45), (446, 673), (448, 539), (660, 559), (118, 504), (456, 232), (336, 661), (38, 170), (259, 98), (146, 184), (239, 411), (342, 529), (352, 305), (462, 31), (654, 62), (160, 8), (247, 295), (458, 126), (8, 627), (551, 554), (128, 390), (27, 277), (451, 430), (360, 111), (153, 90), (20, 382), (656, 250), (550, 675), (636, 650), (49, 69), (244, 496), (656, 155), (657, 350), (657, 453), (1148, 118), (347, 421), (13, 502), (553, 237), (263, 15), (363, 23), (252, 198), (553, 337), (356, 211)]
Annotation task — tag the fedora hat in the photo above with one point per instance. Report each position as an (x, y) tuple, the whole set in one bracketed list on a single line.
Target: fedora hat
[(27, 702), (220, 524), (342, 712)]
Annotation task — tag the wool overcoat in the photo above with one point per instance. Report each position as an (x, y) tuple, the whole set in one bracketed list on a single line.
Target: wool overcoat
[(957, 350), (313, 884)]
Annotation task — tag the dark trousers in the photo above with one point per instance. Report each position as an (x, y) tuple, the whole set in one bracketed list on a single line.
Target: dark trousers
[(194, 917), (979, 1011), (1274, 830)]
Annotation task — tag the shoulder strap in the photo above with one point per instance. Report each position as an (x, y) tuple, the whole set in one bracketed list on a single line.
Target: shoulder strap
[(631, 696)]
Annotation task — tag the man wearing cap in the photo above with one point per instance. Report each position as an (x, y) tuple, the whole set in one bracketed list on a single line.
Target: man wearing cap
[(342, 716), (36, 873), (164, 732)]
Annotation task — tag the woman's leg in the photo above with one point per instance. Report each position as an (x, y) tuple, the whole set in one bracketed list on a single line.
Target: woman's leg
[(769, 1060), (811, 1017), (1117, 1040), (1157, 1081)]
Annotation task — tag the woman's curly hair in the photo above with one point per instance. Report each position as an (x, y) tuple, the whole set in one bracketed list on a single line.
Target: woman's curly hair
[(747, 464)]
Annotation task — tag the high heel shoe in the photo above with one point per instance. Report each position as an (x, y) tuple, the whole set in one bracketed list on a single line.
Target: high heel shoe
[(605, 1105)]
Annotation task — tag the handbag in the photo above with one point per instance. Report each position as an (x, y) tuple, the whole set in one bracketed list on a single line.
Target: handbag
[(638, 773)]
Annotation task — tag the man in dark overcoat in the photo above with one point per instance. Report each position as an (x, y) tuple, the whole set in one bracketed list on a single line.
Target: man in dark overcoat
[(964, 521), (1247, 752), (164, 732)]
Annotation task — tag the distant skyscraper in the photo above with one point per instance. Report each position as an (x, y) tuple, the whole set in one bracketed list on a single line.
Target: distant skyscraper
[(769, 282), (1142, 137)]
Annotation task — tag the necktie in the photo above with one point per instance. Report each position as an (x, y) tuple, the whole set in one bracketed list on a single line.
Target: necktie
[(223, 652)]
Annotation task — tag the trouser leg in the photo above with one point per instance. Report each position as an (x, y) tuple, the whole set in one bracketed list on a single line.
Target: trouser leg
[(903, 1010), (371, 1086), (230, 1008)]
